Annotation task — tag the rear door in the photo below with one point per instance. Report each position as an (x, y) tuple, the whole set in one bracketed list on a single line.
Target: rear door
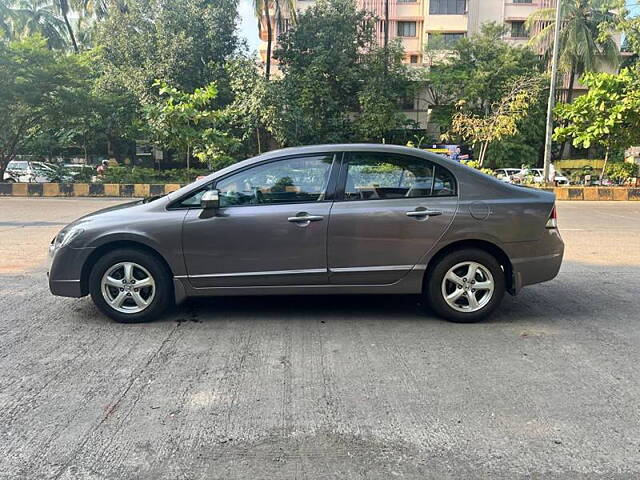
[(389, 211)]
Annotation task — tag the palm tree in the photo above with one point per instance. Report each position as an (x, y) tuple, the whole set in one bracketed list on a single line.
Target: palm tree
[(63, 7), (39, 16), (262, 9), (581, 47), (6, 20)]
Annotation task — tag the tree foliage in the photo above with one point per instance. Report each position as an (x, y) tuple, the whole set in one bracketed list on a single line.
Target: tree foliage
[(188, 122), (41, 90), (336, 84), (503, 118), (607, 115)]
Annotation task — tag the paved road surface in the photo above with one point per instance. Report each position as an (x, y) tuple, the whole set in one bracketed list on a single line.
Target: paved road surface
[(318, 388)]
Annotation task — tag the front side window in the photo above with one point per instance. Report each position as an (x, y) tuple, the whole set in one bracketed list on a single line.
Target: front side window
[(406, 29), (293, 180), (372, 176), (447, 7)]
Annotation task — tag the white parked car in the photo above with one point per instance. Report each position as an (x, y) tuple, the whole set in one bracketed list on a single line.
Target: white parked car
[(509, 175), (26, 172), (538, 176)]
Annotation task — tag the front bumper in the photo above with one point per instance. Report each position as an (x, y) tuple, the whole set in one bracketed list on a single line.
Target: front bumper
[(65, 271)]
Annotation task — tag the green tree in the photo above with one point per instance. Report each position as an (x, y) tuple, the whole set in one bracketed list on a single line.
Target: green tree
[(608, 115), (30, 17), (187, 122), (183, 42), (336, 85), (586, 45), (41, 89), (385, 84), (250, 113), (503, 119), (480, 69)]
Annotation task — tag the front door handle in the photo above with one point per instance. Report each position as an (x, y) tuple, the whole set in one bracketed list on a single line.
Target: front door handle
[(305, 218), (424, 213)]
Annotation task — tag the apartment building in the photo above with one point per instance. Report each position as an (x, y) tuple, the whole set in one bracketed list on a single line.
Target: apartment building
[(414, 21)]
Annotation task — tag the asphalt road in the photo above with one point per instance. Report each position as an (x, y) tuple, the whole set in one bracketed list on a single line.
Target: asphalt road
[(318, 388)]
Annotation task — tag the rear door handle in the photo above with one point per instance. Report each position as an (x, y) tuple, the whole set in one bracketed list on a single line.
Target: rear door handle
[(424, 213), (304, 218)]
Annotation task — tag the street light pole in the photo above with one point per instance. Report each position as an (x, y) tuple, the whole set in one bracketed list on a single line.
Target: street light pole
[(552, 93)]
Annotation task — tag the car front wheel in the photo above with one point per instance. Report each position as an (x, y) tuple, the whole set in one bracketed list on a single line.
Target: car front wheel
[(130, 286), (465, 286)]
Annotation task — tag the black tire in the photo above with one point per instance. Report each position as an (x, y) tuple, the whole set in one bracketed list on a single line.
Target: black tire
[(162, 299), (433, 285)]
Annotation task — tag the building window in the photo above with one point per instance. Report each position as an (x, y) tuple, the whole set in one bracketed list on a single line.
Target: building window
[(447, 7), (449, 39), (406, 29), (413, 58), (522, 1), (407, 103), (518, 30)]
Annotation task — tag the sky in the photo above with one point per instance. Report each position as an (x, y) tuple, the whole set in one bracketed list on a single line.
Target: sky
[(248, 24)]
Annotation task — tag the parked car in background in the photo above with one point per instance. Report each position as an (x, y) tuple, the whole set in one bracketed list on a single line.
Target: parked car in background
[(27, 172), (560, 178), (328, 219), (509, 175)]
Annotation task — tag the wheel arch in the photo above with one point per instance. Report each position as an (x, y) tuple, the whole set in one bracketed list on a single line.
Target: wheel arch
[(489, 247), (115, 245)]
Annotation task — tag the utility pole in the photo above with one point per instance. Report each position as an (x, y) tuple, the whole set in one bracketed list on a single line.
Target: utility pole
[(386, 23), (552, 92)]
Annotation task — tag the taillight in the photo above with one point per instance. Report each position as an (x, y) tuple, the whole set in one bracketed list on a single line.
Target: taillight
[(553, 219)]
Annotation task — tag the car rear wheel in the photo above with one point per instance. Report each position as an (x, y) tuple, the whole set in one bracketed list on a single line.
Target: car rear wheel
[(465, 286), (130, 286)]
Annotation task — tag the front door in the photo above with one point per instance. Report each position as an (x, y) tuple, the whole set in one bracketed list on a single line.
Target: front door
[(270, 229), (394, 208)]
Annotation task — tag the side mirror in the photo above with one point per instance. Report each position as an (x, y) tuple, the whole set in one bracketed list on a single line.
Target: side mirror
[(210, 200)]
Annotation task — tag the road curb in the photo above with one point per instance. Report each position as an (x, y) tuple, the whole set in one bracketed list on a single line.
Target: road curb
[(86, 189), (146, 189)]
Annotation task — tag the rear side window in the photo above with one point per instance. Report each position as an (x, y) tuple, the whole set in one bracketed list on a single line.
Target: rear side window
[(444, 184), (372, 176)]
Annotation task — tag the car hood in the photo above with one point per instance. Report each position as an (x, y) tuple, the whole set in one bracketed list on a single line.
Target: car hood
[(113, 213)]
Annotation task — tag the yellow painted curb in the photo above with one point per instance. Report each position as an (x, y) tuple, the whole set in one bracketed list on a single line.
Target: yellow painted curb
[(19, 189), (561, 193), (141, 190), (621, 194), (111, 189), (171, 187), (80, 189), (50, 190), (590, 193)]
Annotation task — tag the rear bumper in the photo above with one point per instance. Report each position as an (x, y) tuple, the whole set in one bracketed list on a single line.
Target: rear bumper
[(65, 271), (542, 262)]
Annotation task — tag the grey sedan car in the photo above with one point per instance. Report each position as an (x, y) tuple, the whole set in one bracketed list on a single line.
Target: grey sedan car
[(327, 219)]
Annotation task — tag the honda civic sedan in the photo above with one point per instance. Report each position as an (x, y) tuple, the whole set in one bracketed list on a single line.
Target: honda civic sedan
[(328, 219)]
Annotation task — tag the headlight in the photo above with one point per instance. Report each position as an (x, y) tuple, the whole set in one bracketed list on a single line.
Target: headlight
[(66, 237)]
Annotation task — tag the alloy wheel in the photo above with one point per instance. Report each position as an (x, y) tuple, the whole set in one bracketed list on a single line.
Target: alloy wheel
[(468, 287), (128, 287)]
